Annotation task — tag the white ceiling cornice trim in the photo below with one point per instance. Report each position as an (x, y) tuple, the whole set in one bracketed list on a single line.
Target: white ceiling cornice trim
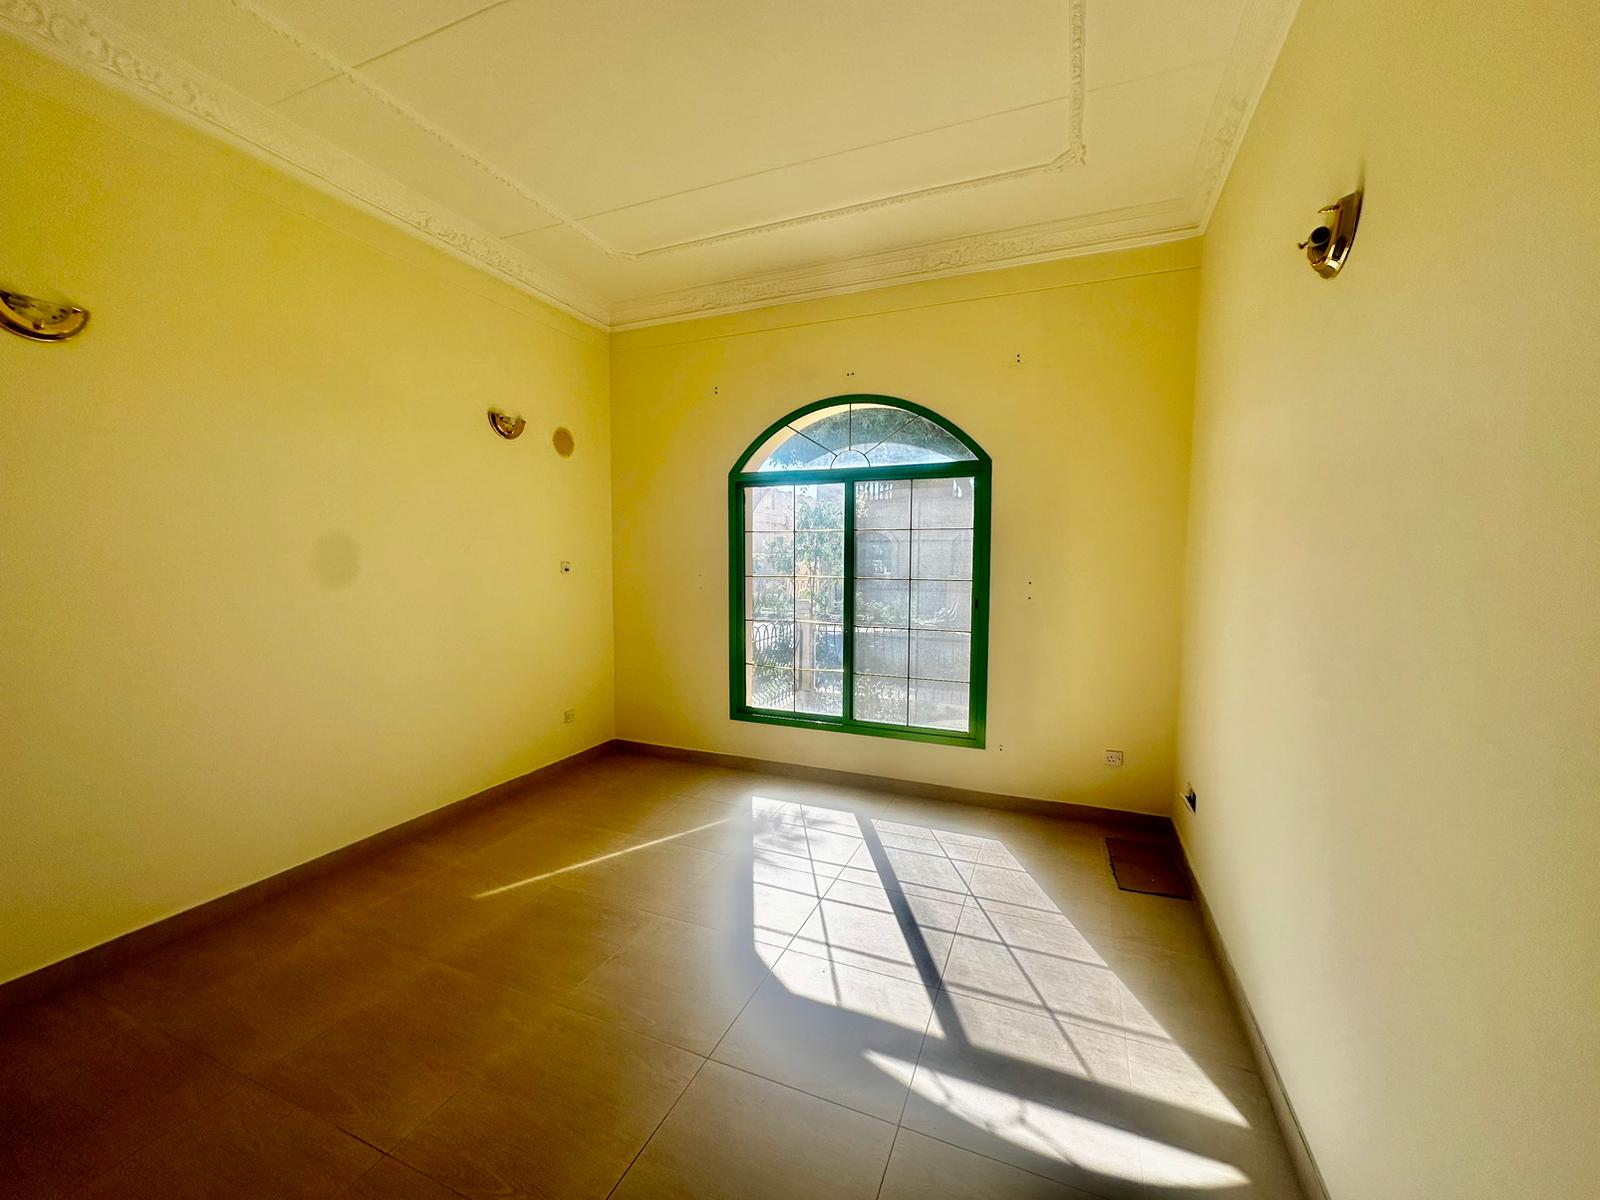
[(74, 33), (1261, 34), (1097, 233), (83, 39)]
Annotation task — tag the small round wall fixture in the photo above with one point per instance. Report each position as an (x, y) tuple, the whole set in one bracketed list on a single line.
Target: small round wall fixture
[(1329, 243), (40, 320), (563, 442), (506, 425)]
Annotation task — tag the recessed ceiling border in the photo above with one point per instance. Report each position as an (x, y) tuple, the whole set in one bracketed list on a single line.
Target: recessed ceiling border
[(74, 33)]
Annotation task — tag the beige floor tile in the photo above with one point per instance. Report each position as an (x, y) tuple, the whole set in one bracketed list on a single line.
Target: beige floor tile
[(835, 1031), (905, 933), (249, 1146), (1041, 1094), (380, 1071), (924, 1169), (676, 981), (562, 1118), (1034, 966), (734, 1136)]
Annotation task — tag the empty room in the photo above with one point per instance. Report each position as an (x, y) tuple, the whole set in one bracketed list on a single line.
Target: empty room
[(735, 599)]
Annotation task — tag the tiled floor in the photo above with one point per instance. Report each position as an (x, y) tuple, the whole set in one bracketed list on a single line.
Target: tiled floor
[(649, 979)]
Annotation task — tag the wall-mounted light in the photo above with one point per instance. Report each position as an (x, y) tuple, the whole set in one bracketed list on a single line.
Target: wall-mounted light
[(505, 424), (1329, 244), (40, 320)]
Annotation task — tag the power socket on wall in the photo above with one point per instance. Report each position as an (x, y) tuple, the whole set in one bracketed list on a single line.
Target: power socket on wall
[(1190, 798), (1113, 758)]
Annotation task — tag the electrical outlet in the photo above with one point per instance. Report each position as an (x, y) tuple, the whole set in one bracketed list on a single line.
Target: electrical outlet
[(569, 716), (1113, 758), (1190, 798), (566, 567)]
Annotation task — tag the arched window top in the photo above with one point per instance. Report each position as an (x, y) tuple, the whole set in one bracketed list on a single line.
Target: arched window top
[(859, 433)]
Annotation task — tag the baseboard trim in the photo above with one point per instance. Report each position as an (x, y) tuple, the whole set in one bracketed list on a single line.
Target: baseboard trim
[(1294, 1135), (1117, 817), (37, 984)]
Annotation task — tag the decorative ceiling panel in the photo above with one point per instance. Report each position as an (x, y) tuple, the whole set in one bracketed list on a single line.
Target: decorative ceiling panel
[(636, 162)]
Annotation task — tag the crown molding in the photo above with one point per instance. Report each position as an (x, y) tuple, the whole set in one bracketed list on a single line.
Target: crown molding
[(1262, 30), (74, 34), (1098, 233)]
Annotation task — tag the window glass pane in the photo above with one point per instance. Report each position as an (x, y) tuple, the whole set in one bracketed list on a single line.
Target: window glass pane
[(769, 553), (881, 651), (769, 686), (936, 654), (874, 423), (883, 553), (941, 604), (820, 692), (936, 705), (883, 602), (819, 552), (772, 598), (819, 506), (819, 647), (941, 554), (819, 599), (769, 642), (828, 427), (769, 508), (878, 698), (883, 504), (791, 451), (919, 441), (942, 503)]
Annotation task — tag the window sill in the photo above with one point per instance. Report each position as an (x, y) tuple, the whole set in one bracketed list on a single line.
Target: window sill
[(972, 741)]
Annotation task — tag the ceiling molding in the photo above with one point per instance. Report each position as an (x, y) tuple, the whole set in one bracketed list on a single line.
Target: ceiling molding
[(1261, 34), (83, 39), (72, 32), (1072, 154), (1094, 234)]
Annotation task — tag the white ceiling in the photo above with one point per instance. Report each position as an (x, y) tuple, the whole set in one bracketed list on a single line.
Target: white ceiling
[(644, 160)]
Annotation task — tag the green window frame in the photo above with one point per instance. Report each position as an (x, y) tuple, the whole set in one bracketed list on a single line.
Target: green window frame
[(846, 464)]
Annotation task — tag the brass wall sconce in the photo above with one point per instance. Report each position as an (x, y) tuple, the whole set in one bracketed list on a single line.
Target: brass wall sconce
[(40, 320), (505, 424), (1329, 244)]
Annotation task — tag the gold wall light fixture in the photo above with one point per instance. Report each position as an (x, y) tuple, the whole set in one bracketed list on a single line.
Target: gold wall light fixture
[(40, 320), (506, 425), (1329, 244)]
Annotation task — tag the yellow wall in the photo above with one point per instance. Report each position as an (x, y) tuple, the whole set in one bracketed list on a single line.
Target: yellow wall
[(267, 581), (1089, 433), (1392, 679)]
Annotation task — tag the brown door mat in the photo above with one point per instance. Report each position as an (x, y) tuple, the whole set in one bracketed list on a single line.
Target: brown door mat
[(1149, 867)]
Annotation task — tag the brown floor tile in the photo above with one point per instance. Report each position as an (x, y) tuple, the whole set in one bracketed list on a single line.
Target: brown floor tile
[(924, 1169), (263, 1012), (106, 1087), (679, 982), (734, 1135), (562, 1118), (390, 1179), (548, 941), (382, 1070), (249, 1145), (426, 998)]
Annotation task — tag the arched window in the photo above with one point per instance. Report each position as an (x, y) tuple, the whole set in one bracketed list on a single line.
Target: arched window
[(859, 564)]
